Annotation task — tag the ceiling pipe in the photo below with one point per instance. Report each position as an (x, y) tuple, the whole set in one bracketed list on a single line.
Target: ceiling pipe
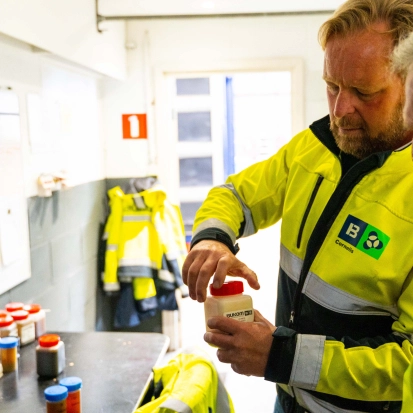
[(100, 18)]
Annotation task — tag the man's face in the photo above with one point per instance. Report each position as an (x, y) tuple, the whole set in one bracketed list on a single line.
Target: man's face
[(365, 97)]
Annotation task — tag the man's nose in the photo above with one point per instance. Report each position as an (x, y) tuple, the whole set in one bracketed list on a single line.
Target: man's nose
[(344, 104)]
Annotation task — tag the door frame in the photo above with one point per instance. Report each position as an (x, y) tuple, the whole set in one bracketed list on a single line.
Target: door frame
[(164, 143)]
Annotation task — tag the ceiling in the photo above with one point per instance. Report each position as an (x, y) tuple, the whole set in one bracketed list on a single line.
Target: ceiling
[(162, 8)]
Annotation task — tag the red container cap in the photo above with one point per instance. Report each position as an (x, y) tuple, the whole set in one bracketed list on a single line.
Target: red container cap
[(6, 321), (49, 340), (19, 315), (32, 308), (228, 288), (4, 313), (10, 307)]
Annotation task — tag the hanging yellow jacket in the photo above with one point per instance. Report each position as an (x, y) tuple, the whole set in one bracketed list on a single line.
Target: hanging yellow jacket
[(190, 385), (145, 243), (344, 312)]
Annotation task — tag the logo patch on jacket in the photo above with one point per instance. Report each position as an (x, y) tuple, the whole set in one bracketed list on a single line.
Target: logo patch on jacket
[(364, 237)]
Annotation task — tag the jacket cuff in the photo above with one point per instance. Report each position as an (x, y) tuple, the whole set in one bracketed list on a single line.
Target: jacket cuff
[(281, 357), (215, 234)]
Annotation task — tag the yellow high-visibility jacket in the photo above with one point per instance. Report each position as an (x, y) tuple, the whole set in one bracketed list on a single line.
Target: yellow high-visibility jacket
[(408, 391), (190, 384), (345, 292), (145, 244)]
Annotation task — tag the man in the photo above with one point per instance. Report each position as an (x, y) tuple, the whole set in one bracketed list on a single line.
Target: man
[(344, 317), (403, 63)]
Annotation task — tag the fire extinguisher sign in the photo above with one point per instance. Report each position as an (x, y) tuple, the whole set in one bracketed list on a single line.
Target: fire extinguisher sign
[(134, 126)]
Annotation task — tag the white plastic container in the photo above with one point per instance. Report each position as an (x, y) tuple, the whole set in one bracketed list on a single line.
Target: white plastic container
[(229, 301), (38, 315), (7, 326), (25, 326)]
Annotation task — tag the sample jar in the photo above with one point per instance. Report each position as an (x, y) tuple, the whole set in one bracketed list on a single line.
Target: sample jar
[(8, 347), (74, 401), (50, 355), (14, 306), (25, 326), (7, 326), (38, 315), (229, 301), (56, 399)]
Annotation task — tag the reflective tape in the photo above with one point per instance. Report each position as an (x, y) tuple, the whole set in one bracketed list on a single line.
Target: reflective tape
[(249, 228), (308, 358), (329, 296), (176, 405), (216, 223)]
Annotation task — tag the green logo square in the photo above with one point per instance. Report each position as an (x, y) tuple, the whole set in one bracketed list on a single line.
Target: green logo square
[(373, 242)]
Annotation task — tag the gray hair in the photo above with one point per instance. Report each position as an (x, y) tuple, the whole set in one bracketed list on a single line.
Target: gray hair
[(402, 56)]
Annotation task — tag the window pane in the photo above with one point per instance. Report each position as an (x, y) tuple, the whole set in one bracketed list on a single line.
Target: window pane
[(195, 86), (188, 210), (195, 171), (194, 126)]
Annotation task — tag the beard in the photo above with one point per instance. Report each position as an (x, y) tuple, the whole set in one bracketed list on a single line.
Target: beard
[(365, 144)]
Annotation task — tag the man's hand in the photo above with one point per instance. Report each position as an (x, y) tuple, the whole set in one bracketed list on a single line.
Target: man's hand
[(209, 257), (244, 345)]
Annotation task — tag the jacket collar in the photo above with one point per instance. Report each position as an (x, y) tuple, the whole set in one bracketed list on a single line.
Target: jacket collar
[(321, 129)]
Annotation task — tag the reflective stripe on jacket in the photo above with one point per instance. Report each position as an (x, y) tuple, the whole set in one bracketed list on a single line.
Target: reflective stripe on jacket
[(345, 292), (190, 385)]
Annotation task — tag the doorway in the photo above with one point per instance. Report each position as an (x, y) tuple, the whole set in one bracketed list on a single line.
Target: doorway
[(220, 123)]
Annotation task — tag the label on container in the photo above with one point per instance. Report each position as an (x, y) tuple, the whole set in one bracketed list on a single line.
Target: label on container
[(27, 334), (241, 315)]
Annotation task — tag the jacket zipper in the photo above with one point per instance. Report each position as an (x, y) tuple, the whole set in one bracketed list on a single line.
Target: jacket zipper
[(327, 218), (308, 209)]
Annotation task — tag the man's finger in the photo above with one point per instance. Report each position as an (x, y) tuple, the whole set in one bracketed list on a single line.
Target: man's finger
[(220, 340), (224, 324)]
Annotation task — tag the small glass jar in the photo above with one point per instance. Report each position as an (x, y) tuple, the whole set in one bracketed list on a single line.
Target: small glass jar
[(7, 326), (25, 326), (50, 355), (8, 347), (38, 315), (56, 397), (229, 301), (14, 306), (74, 386)]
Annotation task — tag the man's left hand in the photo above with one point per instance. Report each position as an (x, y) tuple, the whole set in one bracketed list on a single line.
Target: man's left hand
[(244, 345)]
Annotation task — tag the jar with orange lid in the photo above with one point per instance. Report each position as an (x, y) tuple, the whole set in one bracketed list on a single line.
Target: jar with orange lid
[(229, 301), (50, 355), (25, 326), (7, 326), (38, 315), (13, 306)]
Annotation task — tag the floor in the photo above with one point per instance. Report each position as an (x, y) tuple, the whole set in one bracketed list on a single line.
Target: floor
[(260, 253)]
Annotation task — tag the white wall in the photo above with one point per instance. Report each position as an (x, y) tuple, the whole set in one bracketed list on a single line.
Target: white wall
[(69, 109), (67, 29), (197, 43)]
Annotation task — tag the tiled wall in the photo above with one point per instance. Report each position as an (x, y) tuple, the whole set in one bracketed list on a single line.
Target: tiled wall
[(64, 237), (64, 234)]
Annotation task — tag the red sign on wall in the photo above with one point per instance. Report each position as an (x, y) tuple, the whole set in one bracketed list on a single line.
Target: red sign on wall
[(134, 126)]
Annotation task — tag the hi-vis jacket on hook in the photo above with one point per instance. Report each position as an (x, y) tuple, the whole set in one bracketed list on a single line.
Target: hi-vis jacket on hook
[(145, 244), (345, 292)]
